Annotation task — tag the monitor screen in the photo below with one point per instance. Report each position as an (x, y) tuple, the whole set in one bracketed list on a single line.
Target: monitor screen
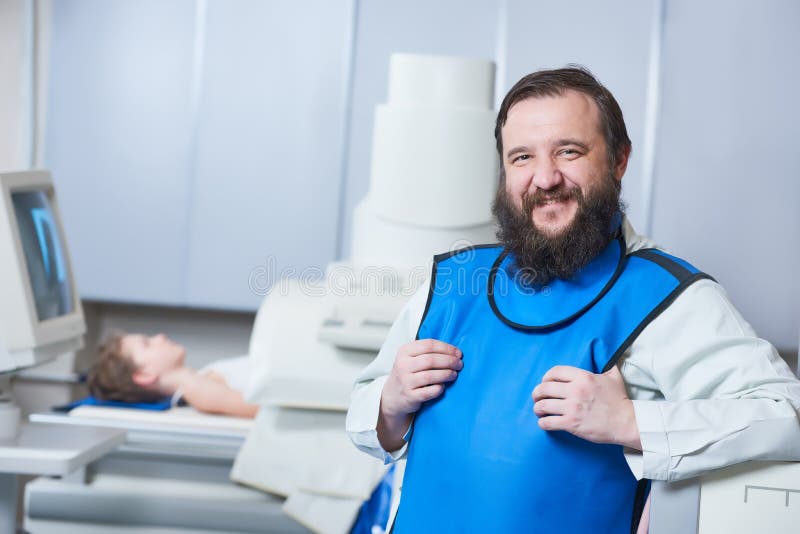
[(44, 254)]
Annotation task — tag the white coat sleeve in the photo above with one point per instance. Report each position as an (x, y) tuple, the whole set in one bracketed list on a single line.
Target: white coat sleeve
[(365, 400), (707, 391)]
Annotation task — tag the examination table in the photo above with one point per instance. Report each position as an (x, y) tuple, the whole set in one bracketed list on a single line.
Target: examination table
[(170, 476)]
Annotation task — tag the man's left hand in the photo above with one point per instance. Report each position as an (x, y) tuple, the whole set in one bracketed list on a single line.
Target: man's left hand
[(591, 406)]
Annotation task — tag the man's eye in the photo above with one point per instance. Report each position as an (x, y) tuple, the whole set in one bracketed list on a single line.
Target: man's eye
[(569, 152), (521, 157)]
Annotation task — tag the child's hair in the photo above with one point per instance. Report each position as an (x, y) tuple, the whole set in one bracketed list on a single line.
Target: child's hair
[(111, 377)]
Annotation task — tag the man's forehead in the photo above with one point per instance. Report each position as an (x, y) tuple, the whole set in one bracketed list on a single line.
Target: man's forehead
[(567, 108)]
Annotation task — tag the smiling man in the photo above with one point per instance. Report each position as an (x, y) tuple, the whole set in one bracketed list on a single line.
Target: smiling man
[(542, 397)]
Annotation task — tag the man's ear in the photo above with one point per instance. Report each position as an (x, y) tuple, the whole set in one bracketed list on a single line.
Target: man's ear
[(622, 163), (144, 379)]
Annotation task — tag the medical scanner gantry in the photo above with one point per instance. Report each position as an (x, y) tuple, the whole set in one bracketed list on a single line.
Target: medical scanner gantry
[(433, 177)]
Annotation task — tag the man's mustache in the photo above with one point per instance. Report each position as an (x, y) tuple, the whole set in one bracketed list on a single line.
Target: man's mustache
[(540, 197)]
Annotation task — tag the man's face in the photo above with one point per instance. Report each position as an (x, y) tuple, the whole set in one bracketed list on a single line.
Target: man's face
[(553, 147), (557, 208)]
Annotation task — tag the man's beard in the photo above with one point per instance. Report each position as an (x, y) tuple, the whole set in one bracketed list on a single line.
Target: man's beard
[(541, 258)]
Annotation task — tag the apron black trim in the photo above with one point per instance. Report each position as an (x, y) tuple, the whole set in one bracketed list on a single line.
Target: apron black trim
[(674, 268), (536, 328), (642, 492), (430, 298), (445, 255)]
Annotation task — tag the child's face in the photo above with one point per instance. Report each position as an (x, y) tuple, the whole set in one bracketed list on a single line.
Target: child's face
[(153, 355)]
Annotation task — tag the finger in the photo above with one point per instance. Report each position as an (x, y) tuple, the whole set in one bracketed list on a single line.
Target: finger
[(435, 361), (427, 393), (427, 346), (563, 373), (554, 422), (550, 407), (427, 378), (550, 390)]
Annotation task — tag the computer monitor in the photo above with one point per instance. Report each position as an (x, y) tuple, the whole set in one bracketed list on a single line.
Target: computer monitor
[(40, 310)]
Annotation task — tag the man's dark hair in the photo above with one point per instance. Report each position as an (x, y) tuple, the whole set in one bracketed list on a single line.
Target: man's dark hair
[(555, 82)]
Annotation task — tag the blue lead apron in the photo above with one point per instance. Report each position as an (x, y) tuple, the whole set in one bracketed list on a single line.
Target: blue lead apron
[(478, 461)]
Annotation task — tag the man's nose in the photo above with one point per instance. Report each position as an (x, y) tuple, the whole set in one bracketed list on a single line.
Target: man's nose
[(546, 175)]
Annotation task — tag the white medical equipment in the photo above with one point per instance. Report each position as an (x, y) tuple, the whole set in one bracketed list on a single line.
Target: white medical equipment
[(170, 476), (434, 163), (40, 310), (40, 318), (748, 498)]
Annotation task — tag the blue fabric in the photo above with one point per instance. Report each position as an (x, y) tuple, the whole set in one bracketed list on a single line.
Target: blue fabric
[(478, 461), (375, 511), (164, 404), (559, 300)]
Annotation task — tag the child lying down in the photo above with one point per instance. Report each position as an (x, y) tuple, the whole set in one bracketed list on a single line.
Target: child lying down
[(140, 368)]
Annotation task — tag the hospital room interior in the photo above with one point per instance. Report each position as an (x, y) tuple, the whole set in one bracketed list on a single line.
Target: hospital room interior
[(254, 190)]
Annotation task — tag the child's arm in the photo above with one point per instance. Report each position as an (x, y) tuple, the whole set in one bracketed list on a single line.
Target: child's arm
[(207, 394)]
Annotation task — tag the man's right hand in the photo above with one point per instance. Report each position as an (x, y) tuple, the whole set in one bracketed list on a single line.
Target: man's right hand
[(419, 373)]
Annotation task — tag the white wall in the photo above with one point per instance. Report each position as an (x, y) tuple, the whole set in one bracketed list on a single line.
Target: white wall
[(198, 131), (727, 184), (15, 88)]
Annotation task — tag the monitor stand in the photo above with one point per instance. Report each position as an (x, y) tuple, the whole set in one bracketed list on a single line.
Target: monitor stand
[(9, 411)]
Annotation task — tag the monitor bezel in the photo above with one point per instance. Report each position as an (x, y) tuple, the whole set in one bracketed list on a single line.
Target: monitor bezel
[(32, 333)]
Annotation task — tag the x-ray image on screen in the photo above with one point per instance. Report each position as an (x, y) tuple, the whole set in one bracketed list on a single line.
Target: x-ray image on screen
[(41, 243)]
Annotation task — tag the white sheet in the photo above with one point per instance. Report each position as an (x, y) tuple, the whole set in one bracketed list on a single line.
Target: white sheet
[(179, 417)]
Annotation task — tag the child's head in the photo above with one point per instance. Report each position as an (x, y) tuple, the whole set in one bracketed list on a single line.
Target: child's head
[(129, 367)]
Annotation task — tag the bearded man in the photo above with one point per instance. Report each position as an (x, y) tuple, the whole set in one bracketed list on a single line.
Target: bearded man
[(544, 396)]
